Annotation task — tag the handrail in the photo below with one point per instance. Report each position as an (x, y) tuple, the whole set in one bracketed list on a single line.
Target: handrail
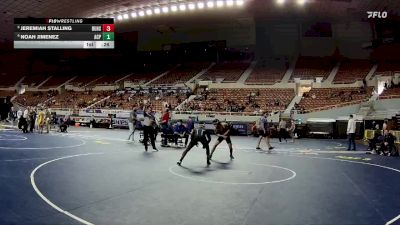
[(222, 113)]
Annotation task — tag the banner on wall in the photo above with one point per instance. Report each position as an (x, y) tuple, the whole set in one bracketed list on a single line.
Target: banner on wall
[(239, 128), (120, 122)]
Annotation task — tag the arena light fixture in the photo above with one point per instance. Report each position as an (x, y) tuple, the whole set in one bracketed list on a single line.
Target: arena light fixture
[(125, 16), (149, 12), (141, 13), (165, 9), (301, 2), (239, 2), (280, 2), (200, 5), (133, 14), (174, 8), (182, 7), (191, 6), (119, 17), (210, 4), (157, 10), (229, 3), (220, 3)]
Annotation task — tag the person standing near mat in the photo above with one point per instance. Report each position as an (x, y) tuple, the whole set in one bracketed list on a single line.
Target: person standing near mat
[(19, 115), (291, 129), (165, 118), (48, 120), (32, 120), (351, 132), (198, 135), (132, 119), (223, 132), (148, 130), (282, 130), (41, 120), (264, 132)]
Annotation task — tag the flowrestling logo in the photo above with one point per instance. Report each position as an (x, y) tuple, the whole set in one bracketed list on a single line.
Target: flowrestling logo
[(377, 14)]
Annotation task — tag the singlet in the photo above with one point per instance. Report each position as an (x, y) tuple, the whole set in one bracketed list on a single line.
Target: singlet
[(264, 123), (223, 128), (41, 117)]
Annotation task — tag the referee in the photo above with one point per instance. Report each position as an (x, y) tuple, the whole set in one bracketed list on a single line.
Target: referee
[(148, 129)]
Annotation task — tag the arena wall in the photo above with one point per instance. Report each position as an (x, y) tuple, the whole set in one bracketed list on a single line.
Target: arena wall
[(287, 39), (387, 104), (236, 35), (331, 113)]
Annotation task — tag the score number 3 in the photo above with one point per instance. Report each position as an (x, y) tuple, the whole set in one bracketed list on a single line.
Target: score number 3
[(108, 27)]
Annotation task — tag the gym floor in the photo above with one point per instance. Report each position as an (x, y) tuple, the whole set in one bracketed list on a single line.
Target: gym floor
[(94, 176)]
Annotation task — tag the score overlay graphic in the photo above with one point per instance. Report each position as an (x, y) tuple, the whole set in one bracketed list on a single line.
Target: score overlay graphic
[(64, 33)]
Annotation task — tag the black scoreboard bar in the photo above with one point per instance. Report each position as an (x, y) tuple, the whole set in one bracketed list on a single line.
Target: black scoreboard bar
[(64, 33)]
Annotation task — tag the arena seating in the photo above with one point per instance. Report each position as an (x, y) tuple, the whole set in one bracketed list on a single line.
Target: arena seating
[(229, 71), (12, 68), (142, 78), (327, 98), (55, 81), (9, 81), (34, 98), (83, 80), (242, 100), (308, 68), (4, 94), (127, 100), (352, 70), (108, 79), (264, 73), (387, 68), (72, 99), (40, 67), (181, 74), (34, 80), (393, 92)]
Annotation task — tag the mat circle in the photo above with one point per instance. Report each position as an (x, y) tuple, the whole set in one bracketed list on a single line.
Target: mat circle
[(293, 175), (12, 137)]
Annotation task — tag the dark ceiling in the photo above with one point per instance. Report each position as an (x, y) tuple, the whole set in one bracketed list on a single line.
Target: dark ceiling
[(10, 9)]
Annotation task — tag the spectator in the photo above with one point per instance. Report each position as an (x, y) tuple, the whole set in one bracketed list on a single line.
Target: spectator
[(384, 125), (282, 130), (351, 132), (190, 125), (291, 129), (165, 118), (167, 132), (387, 147), (180, 131)]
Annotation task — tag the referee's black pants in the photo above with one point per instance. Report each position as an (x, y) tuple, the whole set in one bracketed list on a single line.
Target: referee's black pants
[(148, 132)]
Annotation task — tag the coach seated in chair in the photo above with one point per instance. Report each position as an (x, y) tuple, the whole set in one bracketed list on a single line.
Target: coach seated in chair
[(180, 131), (167, 134), (388, 147), (62, 124), (373, 143)]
